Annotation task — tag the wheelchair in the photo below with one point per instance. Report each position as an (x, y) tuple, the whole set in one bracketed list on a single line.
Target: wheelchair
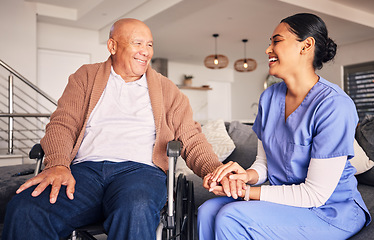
[(177, 218)]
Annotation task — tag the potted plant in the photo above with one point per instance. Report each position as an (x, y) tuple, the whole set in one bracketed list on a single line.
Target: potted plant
[(187, 80)]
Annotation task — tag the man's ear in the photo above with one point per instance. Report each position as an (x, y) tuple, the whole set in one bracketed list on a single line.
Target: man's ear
[(308, 45), (112, 46)]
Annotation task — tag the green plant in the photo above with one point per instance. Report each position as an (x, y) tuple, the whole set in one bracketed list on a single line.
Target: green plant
[(188, 76)]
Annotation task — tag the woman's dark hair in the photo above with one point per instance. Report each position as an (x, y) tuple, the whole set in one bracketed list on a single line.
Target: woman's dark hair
[(305, 25)]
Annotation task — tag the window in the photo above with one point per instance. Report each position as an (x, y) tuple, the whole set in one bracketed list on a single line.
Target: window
[(359, 85)]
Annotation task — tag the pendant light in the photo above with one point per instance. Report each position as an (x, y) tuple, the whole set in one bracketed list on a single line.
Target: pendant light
[(216, 61), (245, 64)]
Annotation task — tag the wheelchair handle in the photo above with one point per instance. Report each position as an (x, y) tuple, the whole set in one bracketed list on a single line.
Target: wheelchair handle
[(174, 148)]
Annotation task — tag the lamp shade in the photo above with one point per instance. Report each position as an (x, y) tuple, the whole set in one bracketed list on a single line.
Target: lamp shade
[(216, 61), (245, 65)]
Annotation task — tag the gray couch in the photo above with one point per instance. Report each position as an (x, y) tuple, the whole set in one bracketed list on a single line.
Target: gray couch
[(245, 152)]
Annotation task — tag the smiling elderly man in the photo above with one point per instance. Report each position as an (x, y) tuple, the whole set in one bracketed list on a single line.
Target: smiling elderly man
[(105, 147)]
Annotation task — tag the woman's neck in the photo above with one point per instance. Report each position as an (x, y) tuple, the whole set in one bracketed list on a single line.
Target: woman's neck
[(297, 89)]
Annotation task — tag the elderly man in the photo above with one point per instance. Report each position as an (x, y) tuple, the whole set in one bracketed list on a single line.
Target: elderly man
[(105, 147)]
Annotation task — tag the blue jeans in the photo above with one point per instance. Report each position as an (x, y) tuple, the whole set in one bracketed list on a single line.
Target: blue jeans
[(227, 218), (127, 197)]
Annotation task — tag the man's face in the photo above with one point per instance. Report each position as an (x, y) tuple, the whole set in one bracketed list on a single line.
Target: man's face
[(133, 50)]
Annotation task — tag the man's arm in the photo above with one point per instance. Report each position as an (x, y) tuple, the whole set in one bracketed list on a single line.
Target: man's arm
[(58, 142), (197, 151)]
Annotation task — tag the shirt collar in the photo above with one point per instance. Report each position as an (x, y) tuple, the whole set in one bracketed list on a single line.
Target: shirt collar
[(141, 82)]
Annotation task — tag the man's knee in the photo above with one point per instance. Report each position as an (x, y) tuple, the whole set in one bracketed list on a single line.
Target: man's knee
[(21, 206)]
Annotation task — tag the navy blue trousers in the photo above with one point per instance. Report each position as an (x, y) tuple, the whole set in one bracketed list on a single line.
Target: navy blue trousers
[(127, 197)]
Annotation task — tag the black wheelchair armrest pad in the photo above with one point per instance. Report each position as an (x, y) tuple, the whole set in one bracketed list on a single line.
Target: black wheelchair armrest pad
[(36, 152)]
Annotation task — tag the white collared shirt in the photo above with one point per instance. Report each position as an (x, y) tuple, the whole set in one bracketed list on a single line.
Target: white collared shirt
[(121, 127)]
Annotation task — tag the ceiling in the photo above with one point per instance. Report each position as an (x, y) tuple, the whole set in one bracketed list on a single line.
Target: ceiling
[(182, 29)]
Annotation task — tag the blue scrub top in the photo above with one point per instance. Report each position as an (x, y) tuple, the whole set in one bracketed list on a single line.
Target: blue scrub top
[(323, 126)]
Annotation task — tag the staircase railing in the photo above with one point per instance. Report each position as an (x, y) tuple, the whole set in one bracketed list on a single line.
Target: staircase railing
[(24, 111)]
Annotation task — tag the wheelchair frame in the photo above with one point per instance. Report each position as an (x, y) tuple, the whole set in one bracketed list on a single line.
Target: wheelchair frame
[(177, 218)]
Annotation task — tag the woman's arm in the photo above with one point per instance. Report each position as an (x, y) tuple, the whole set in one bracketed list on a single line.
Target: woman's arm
[(322, 178), (260, 165)]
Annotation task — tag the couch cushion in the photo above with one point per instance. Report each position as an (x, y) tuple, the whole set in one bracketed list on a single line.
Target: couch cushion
[(245, 140), (366, 178), (367, 193), (365, 138), (10, 183), (365, 135)]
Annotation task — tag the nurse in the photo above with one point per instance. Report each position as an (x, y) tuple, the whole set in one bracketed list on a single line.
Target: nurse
[(305, 127)]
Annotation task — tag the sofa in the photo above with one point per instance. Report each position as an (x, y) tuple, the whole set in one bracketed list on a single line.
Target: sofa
[(245, 150), (232, 141)]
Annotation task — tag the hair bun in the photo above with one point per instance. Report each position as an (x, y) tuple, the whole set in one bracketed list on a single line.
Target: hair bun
[(330, 50)]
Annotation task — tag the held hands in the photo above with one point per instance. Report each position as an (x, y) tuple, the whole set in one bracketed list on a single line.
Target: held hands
[(227, 180), (55, 176)]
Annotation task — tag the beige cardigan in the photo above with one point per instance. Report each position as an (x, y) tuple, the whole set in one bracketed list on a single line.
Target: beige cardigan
[(171, 111)]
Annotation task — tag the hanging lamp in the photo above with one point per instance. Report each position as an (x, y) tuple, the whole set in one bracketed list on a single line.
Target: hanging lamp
[(216, 61), (245, 64)]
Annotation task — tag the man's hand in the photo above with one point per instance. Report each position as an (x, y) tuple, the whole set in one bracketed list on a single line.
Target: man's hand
[(55, 176), (227, 170)]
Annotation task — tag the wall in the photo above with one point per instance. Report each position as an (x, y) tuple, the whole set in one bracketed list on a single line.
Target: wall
[(22, 36), (67, 41), (347, 55), (247, 87), (201, 101), (246, 91), (18, 37)]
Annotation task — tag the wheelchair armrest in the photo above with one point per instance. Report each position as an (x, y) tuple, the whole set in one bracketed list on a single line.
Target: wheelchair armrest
[(36, 152), (174, 148)]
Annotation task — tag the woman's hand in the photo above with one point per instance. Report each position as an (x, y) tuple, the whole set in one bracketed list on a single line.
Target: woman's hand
[(227, 170)]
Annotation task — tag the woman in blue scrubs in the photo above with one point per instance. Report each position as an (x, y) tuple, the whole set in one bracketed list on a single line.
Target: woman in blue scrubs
[(306, 127)]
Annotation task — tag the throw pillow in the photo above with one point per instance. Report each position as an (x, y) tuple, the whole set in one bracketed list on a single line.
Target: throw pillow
[(216, 134), (360, 161), (245, 140)]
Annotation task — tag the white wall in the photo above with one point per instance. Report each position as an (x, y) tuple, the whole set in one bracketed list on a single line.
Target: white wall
[(18, 37), (71, 41), (76, 40), (246, 91), (247, 87), (22, 36), (347, 55), (203, 109)]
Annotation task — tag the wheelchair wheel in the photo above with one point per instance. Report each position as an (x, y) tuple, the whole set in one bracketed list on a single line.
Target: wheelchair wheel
[(184, 209), (191, 212), (179, 205)]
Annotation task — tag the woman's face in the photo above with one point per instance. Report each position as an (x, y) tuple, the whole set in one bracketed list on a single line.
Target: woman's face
[(284, 52)]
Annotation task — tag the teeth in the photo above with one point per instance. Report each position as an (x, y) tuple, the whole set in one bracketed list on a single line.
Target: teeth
[(273, 59), (142, 61)]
